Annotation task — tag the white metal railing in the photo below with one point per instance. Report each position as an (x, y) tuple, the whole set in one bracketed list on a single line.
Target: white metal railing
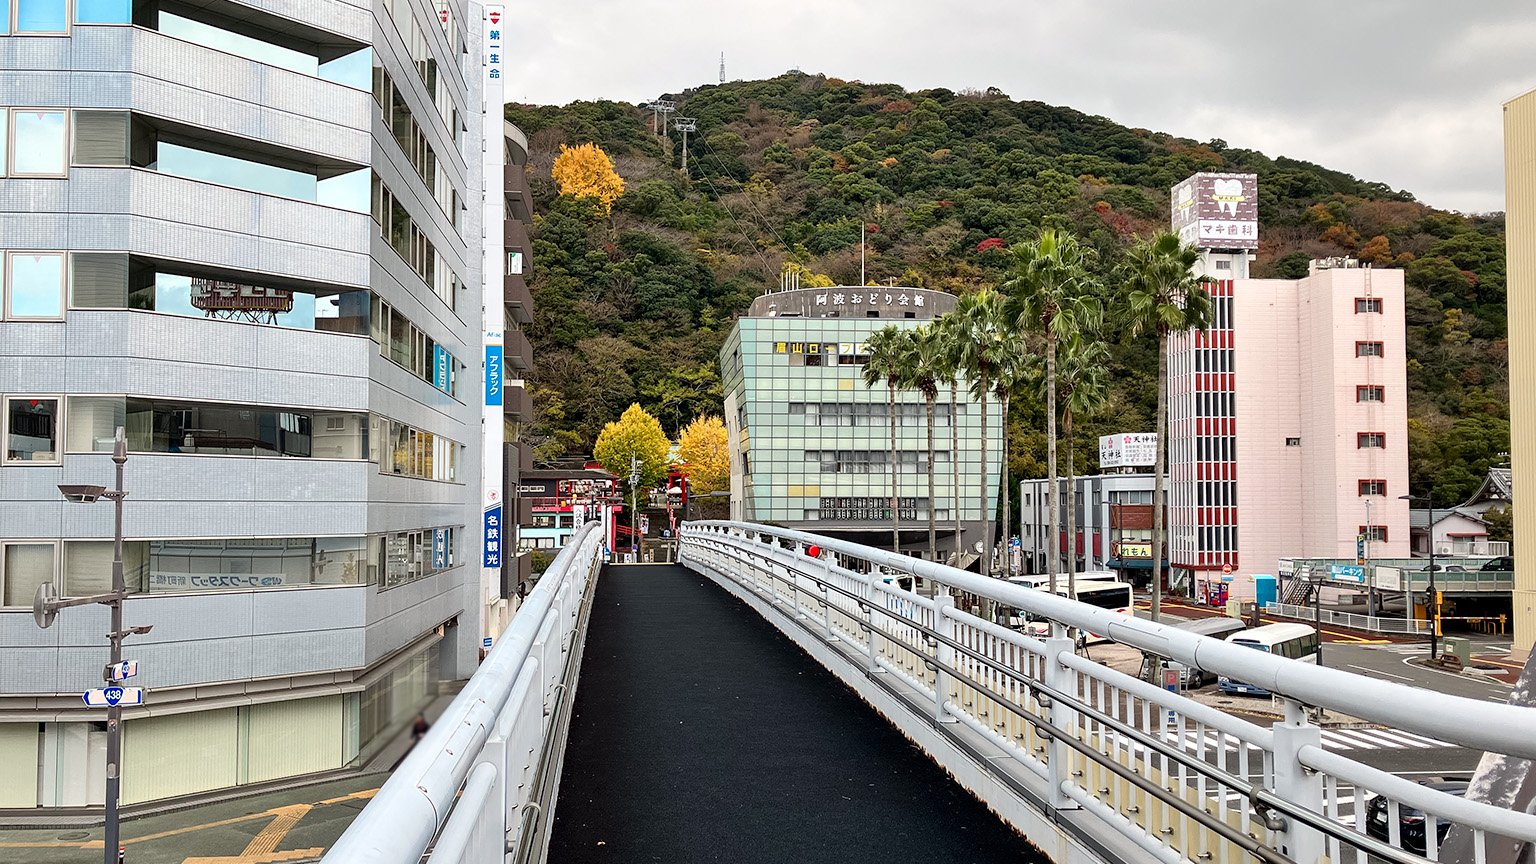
[(1370, 623), (479, 787), (1182, 780)]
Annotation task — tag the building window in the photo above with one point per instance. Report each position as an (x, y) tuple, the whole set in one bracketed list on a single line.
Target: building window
[(1370, 393), (1371, 440), (38, 143), (31, 430), (1374, 533), (23, 567), (103, 11), (1373, 487), (1367, 304), (1370, 349), (1293, 442), (42, 16), (34, 285)]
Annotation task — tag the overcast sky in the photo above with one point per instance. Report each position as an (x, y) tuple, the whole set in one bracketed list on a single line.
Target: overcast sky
[(1407, 93)]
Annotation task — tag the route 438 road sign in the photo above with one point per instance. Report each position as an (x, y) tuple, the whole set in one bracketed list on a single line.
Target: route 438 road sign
[(106, 697)]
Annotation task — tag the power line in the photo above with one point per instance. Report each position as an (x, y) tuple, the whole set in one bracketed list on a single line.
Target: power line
[(720, 163)]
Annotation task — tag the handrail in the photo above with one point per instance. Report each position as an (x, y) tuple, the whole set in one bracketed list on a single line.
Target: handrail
[(1301, 815), (1488, 726), (399, 824)]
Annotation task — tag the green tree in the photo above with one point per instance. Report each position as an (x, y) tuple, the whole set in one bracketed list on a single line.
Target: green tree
[(635, 436), (889, 348), (1053, 294), (1083, 377), (1160, 294), (1501, 524), (974, 331), (924, 367)]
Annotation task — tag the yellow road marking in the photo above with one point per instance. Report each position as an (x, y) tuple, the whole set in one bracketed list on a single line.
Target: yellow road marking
[(269, 858), (274, 833), (362, 794)]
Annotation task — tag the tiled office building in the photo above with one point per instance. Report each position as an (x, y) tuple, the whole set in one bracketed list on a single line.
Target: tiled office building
[(810, 442), (250, 234)]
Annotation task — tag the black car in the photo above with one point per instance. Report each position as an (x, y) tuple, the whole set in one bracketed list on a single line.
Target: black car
[(1410, 820), (1501, 564)]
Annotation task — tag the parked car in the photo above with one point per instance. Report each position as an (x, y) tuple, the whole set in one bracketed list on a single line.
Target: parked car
[(1410, 820), (1501, 564), (1443, 568)]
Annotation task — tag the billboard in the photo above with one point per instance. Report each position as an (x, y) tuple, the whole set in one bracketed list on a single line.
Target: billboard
[(212, 295), (1217, 211), (1128, 450)]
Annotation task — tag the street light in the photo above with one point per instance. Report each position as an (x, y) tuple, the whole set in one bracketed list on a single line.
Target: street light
[(47, 604), (1433, 604)]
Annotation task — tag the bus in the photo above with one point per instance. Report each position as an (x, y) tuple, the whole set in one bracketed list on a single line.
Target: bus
[(1114, 596), (1296, 641)]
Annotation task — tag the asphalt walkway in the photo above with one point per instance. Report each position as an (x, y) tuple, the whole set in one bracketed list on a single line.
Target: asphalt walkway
[(702, 734)]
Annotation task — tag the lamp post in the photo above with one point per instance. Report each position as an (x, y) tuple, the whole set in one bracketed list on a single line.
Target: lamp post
[(46, 607), (1370, 590), (1432, 604), (634, 506)]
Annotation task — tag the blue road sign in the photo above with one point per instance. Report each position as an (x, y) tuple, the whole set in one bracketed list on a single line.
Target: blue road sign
[(122, 671), (106, 697)]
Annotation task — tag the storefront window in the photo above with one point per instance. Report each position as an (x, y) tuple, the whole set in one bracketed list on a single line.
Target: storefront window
[(31, 430), (166, 426), (244, 564)]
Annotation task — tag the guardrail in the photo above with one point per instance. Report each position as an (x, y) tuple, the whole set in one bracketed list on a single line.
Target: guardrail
[(1182, 780), (480, 785), (1369, 623)]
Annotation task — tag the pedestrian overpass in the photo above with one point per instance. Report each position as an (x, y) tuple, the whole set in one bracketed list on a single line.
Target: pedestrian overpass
[(761, 703)]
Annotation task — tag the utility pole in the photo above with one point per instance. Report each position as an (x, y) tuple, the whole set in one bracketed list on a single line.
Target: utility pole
[(1370, 591), (46, 606), (634, 506), (685, 125)]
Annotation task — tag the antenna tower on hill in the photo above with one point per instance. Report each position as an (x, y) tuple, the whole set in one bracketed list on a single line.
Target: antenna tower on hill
[(722, 67)]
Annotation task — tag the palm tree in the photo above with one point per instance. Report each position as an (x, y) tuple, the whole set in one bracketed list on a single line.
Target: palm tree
[(1083, 376), (1053, 294), (887, 347), (924, 368), (1010, 369), (1161, 294), (973, 331)]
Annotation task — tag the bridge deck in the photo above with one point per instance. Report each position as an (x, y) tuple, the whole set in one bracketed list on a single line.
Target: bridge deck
[(701, 733)]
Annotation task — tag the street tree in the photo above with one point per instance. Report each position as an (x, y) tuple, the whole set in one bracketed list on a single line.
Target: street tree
[(1161, 295), (702, 447), (635, 438), (1083, 376), (974, 331), (1052, 293), (888, 350)]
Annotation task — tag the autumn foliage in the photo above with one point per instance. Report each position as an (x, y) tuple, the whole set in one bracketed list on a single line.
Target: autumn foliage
[(587, 172), (702, 446)]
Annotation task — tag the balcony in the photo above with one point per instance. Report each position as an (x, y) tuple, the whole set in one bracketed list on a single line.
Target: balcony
[(518, 405), (519, 299), (515, 187), (519, 352)]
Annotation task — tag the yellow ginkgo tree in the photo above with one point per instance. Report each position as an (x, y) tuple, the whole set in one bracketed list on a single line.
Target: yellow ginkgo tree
[(703, 448), (587, 172)]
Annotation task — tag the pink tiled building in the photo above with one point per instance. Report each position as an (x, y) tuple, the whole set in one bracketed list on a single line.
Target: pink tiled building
[(1288, 418)]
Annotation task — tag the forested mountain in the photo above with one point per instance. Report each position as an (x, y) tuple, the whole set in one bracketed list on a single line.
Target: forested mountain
[(633, 305)]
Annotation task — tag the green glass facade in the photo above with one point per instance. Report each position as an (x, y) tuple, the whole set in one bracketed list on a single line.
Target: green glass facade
[(811, 443)]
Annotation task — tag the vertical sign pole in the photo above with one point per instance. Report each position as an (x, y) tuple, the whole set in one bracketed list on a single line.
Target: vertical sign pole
[(493, 296)]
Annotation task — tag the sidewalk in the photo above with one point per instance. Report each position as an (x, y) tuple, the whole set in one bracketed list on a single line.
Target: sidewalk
[(294, 823)]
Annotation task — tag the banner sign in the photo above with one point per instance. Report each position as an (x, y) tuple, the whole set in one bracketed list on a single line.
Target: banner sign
[(493, 535)]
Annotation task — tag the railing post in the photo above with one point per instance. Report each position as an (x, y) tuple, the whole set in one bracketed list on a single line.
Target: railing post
[(944, 655), (794, 580), (1061, 714), (1298, 784), (870, 593), (826, 595)]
